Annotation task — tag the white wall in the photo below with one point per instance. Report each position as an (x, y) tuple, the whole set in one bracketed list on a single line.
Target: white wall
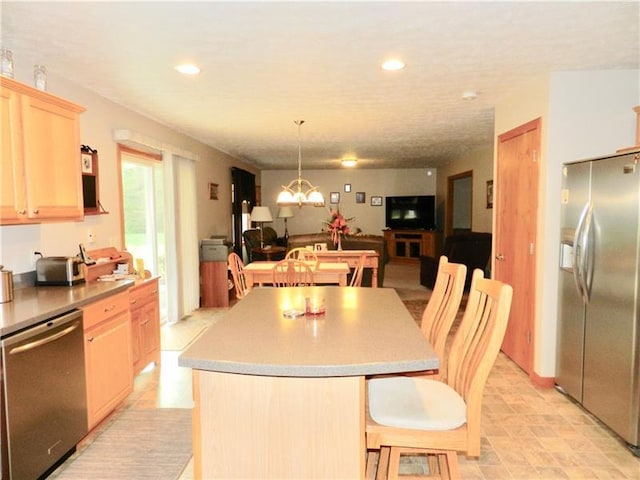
[(480, 161), (374, 182), (584, 114), (96, 125)]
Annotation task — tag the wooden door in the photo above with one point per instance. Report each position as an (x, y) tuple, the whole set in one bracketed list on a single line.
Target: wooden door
[(516, 204)]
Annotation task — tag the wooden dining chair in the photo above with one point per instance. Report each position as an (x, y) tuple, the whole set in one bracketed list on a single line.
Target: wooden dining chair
[(408, 413), (303, 254), (442, 307), (236, 265), (356, 276), (292, 273)]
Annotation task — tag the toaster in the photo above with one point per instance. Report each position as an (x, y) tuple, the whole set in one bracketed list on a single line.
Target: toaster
[(59, 271)]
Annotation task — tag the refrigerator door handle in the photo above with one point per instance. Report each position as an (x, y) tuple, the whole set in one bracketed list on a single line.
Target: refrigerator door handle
[(578, 257), (581, 258), (587, 254)]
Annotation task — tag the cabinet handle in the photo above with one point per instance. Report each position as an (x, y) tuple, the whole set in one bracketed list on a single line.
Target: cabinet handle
[(21, 212), (36, 211), (90, 339), (108, 309), (134, 301)]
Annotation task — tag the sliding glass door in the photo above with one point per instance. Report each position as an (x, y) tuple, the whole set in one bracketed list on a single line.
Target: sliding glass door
[(143, 215)]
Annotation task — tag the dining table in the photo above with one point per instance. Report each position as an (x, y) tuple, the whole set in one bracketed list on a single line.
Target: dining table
[(352, 257), (261, 272), (280, 394)]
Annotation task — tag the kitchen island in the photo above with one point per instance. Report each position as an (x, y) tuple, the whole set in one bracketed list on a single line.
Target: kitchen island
[(281, 397)]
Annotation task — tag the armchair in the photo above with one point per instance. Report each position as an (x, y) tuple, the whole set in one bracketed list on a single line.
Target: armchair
[(252, 240), (472, 249)]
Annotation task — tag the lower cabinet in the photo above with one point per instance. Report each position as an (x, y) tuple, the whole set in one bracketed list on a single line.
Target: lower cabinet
[(145, 324), (108, 363)]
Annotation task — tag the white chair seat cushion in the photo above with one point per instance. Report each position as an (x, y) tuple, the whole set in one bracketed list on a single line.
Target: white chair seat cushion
[(416, 403)]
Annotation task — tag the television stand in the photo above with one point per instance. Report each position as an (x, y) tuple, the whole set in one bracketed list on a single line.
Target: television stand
[(409, 245)]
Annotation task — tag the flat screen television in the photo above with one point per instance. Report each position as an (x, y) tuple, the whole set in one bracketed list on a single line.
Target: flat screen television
[(412, 212)]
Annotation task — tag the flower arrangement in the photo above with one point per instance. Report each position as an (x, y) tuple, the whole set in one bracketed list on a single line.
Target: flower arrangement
[(337, 225)]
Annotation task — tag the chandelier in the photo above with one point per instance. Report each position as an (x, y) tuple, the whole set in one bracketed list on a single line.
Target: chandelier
[(299, 191)]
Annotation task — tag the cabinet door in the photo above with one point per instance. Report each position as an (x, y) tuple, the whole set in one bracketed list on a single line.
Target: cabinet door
[(137, 318), (108, 366), (12, 193), (151, 332), (52, 160)]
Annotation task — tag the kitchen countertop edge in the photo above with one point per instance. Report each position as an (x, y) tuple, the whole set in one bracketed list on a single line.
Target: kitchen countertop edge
[(33, 305)]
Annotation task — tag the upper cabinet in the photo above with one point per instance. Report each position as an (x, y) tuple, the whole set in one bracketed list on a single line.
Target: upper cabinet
[(41, 176)]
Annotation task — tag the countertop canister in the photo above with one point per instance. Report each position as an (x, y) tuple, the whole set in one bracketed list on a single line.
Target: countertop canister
[(6, 285)]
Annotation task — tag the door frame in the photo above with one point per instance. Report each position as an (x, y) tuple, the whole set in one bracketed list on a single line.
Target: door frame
[(448, 218)]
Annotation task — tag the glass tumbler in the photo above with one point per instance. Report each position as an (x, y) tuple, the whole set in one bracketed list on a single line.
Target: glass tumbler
[(40, 77), (6, 63)]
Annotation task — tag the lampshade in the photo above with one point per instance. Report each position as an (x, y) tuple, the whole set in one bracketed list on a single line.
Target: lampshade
[(285, 212), (261, 214), (299, 192)]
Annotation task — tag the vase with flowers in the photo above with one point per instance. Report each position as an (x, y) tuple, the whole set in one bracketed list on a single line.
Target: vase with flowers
[(337, 226)]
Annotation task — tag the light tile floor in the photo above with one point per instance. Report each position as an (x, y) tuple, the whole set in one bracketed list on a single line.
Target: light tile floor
[(528, 432)]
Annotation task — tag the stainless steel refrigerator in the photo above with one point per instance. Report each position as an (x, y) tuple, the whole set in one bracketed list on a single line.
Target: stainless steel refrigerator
[(598, 355)]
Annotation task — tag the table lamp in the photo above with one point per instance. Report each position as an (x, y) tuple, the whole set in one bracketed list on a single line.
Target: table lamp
[(261, 215), (285, 212)]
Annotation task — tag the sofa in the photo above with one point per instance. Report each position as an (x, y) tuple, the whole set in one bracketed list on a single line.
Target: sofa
[(472, 249), (252, 240), (349, 242)]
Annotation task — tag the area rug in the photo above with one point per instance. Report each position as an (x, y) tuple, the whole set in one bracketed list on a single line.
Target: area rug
[(415, 307), (152, 444)]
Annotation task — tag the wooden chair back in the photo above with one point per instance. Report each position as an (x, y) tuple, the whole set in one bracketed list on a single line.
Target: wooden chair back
[(356, 278), (473, 352), (236, 265), (303, 254), (443, 306), (292, 273), (476, 345)]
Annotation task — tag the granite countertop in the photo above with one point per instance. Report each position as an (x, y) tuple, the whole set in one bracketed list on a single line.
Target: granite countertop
[(32, 305), (365, 331)]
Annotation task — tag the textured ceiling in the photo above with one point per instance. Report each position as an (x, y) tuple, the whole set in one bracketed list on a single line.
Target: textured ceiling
[(265, 65)]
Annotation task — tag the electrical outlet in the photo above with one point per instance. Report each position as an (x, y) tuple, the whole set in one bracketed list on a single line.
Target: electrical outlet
[(91, 237)]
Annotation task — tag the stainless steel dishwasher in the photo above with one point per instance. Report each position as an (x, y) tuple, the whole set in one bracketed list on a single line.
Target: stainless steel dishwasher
[(44, 405)]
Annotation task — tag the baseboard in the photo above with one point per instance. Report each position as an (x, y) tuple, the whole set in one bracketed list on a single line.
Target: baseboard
[(542, 382)]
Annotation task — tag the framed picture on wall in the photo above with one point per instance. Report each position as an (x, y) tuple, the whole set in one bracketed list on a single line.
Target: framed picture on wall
[(87, 162), (347, 187), (334, 197), (360, 197), (489, 193), (376, 201), (213, 191)]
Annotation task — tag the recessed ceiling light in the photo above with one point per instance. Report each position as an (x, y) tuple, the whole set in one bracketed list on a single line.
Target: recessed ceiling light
[(188, 69), (469, 95), (349, 162), (393, 64)]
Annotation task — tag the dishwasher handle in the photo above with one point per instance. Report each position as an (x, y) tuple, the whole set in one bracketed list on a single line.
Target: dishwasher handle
[(43, 341), (32, 334)]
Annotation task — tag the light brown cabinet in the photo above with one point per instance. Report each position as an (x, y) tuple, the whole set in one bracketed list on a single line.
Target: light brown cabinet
[(41, 175), (145, 324), (108, 363), (409, 245), (214, 279)]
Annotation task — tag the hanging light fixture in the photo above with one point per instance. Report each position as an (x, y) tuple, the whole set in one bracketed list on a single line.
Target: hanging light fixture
[(300, 192)]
